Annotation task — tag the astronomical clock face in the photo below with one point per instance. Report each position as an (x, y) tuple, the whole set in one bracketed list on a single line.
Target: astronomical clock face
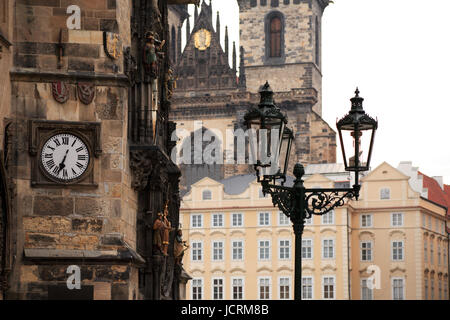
[(65, 157), (202, 39)]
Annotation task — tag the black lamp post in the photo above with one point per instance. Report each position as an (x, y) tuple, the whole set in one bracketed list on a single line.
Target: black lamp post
[(270, 150)]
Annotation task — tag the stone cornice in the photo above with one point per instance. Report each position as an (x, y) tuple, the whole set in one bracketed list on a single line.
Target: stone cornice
[(30, 75)]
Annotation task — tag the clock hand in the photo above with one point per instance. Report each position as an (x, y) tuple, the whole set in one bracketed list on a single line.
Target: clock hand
[(62, 165)]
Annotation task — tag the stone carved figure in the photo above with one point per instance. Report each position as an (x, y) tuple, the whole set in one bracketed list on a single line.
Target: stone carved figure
[(180, 247), (161, 229), (171, 83), (151, 55)]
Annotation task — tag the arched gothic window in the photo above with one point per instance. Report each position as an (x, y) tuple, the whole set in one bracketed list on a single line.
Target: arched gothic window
[(274, 27), (275, 37), (173, 46)]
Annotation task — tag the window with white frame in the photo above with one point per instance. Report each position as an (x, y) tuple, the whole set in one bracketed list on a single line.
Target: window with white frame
[(425, 250), (328, 218), (217, 250), (285, 288), (264, 219), (431, 251), (426, 289), (237, 250), (197, 221), (398, 289), (197, 251), (445, 290), (424, 219), (328, 287), (439, 253), (385, 193), (217, 220), (444, 249), (366, 292), (429, 222), (206, 195), (264, 288), (237, 285), (197, 289), (307, 288), (237, 220), (432, 289), (264, 249), (283, 220), (440, 289), (307, 248), (328, 248), (309, 221), (285, 249), (366, 250), (442, 227), (366, 220), (217, 288), (397, 219), (397, 250)]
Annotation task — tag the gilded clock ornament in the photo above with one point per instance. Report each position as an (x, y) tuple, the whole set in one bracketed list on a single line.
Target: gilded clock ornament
[(65, 157), (202, 39)]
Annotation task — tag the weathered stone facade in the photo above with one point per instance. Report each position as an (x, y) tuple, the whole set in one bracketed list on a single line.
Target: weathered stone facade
[(102, 223), (295, 77)]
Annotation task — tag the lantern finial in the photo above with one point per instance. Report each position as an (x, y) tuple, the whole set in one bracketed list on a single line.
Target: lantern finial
[(357, 102)]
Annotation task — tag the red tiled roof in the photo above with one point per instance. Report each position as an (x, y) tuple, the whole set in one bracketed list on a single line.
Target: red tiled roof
[(436, 194)]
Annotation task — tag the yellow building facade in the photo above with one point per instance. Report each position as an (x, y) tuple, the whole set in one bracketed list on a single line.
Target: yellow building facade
[(241, 247)]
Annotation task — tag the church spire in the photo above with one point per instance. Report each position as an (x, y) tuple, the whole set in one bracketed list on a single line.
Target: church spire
[(226, 43), (218, 26), (234, 56), (188, 29), (242, 78), (195, 15)]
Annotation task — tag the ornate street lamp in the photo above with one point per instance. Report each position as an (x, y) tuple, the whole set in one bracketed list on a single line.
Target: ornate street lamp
[(297, 202)]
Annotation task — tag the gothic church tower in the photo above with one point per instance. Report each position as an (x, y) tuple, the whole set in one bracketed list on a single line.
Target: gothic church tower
[(282, 43)]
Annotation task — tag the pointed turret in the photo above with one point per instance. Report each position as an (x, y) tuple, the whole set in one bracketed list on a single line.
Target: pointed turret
[(188, 29), (218, 26), (234, 56), (242, 79), (195, 15), (226, 43)]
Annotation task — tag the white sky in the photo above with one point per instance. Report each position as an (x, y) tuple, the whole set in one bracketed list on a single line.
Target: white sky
[(397, 52)]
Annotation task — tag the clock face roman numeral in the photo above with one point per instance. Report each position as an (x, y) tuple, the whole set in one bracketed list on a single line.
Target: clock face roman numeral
[(65, 157)]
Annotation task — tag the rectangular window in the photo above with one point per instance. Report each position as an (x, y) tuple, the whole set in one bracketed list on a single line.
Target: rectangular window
[(397, 219), (366, 292), (236, 220), (285, 249), (218, 289), (439, 254), (431, 252), (196, 221), (385, 194), (366, 251), (425, 250), (398, 289), (237, 248), (445, 291), (285, 288), (328, 218), (264, 288), (429, 222), (426, 289), (309, 221), (217, 220), (217, 253), (328, 249), (264, 249), (366, 220), (307, 248), (264, 219), (197, 289), (307, 288), (440, 289), (238, 288), (197, 251), (397, 250), (283, 220), (328, 287), (432, 289)]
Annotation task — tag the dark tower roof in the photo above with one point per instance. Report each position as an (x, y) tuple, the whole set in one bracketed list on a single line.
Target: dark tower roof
[(204, 64)]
